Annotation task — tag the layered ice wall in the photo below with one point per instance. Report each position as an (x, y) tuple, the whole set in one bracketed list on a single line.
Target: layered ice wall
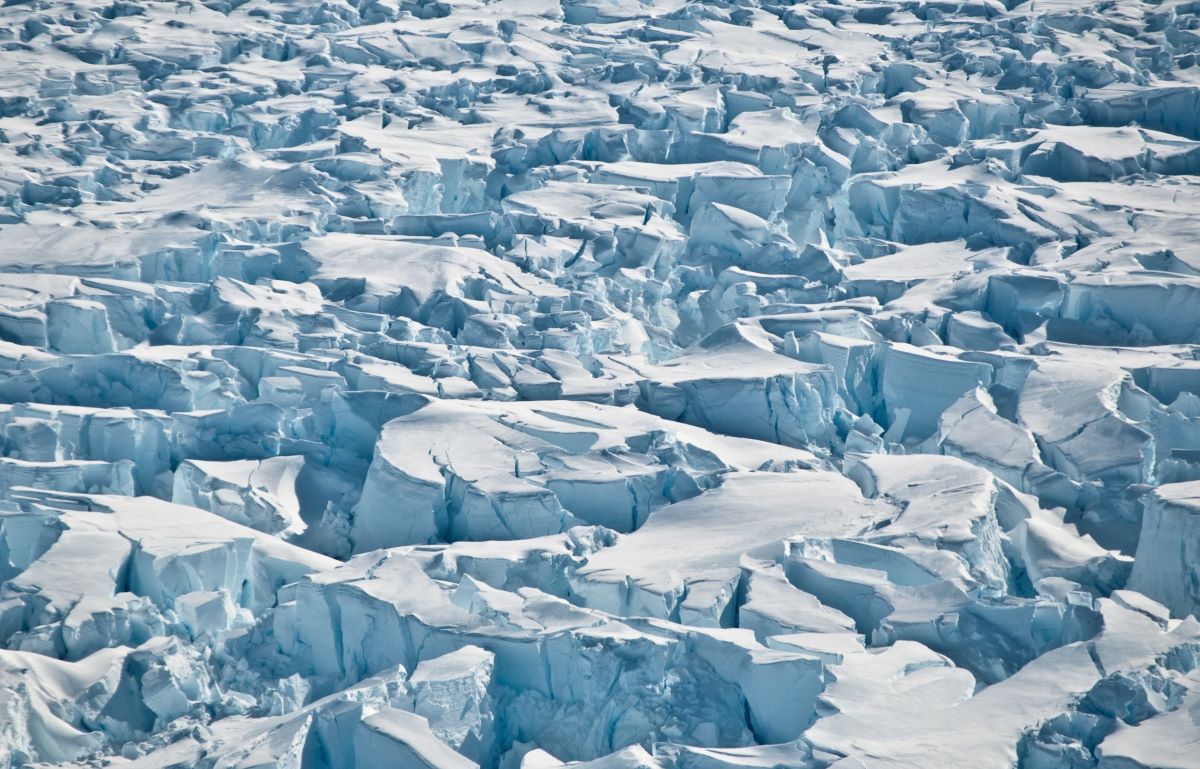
[(615, 384)]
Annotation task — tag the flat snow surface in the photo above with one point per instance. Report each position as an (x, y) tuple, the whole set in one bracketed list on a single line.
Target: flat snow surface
[(614, 384)]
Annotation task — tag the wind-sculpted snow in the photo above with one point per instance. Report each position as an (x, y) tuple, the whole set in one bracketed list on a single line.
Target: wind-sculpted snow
[(610, 384)]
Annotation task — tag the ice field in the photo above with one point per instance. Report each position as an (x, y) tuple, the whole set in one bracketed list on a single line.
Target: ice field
[(613, 384)]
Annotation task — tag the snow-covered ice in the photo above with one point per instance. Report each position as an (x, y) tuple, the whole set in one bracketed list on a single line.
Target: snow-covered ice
[(607, 384)]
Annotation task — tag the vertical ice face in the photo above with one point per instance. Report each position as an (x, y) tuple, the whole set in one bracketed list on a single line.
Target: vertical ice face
[(610, 384), (1165, 566), (451, 692)]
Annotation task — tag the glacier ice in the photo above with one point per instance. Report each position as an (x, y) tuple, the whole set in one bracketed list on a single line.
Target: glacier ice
[(597, 383)]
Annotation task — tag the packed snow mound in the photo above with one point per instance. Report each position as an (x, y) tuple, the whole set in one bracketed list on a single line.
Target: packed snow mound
[(609, 384)]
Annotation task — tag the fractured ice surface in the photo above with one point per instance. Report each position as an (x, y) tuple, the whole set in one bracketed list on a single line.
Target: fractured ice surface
[(531, 384)]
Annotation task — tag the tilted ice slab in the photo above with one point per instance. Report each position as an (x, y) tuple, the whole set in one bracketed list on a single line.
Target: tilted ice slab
[(479, 471), (258, 494), (684, 563)]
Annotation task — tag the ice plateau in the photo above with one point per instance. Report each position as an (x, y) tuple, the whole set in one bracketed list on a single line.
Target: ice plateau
[(604, 384)]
